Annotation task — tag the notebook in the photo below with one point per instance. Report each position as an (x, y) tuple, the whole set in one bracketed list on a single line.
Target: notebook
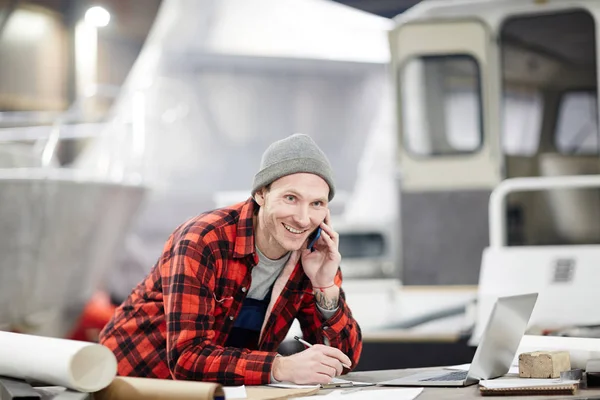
[(524, 386)]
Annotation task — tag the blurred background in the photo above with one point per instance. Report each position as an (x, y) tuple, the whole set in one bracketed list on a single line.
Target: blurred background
[(120, 119)]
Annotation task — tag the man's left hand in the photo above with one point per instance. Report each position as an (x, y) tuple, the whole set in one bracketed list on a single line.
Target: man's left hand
[(321, 265)]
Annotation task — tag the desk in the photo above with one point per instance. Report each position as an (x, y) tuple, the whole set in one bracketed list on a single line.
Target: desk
[(466, 393)]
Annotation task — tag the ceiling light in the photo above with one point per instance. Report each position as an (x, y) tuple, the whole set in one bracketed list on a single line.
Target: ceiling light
[(97, 16)]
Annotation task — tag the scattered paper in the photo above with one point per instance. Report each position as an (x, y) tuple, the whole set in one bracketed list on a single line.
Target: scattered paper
[(378, 394), (523, 383), (235, 392)]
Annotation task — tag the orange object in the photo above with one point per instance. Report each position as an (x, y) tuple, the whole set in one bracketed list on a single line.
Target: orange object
[(96, 314)]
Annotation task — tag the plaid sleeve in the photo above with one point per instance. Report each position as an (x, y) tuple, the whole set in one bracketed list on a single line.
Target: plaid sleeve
[(341, 329), (188, 282)]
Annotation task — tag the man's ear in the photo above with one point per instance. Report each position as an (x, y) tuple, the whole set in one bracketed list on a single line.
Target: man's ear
[(259, 196)]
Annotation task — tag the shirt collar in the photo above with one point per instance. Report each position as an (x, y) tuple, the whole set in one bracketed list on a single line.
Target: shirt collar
[(244, 241)]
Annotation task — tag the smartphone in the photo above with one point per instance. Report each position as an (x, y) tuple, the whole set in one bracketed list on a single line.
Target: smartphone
[(313, 237)]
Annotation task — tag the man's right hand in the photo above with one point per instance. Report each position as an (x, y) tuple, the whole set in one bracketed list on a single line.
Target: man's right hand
[(317, 364)]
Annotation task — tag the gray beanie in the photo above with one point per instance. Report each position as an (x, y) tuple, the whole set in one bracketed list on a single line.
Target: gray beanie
[(294, 154)]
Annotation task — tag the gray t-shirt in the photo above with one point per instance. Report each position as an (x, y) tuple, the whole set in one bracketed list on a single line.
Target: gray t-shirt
[(264, 274)]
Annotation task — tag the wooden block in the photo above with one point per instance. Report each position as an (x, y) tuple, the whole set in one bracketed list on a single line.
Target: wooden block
[(543, 364)]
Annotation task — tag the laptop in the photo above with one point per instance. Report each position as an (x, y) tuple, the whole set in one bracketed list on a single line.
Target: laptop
[(495, 353)]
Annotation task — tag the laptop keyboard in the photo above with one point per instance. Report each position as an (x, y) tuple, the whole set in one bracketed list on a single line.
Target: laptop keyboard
[(451, 376)]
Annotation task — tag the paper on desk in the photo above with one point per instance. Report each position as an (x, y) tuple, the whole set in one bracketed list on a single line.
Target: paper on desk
[(271, 393), (235, 392), (523, 383), (366, 394), (82, 366), (288, 385)]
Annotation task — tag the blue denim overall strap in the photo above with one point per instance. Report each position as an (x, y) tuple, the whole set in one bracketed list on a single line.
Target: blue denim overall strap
[(246, 328)]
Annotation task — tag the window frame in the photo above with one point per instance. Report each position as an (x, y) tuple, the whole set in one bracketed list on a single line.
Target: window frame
[(559, 105), (478, 81)]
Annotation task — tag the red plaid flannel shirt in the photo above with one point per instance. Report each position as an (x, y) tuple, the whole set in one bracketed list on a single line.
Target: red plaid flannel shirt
[(175, 323)]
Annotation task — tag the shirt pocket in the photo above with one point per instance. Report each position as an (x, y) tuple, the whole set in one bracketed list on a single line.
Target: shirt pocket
[(223, 305)]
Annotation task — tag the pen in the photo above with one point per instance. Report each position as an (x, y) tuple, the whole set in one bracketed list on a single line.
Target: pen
[(304, 342)]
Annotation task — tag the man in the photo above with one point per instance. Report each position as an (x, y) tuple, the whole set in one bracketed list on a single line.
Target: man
[(230, 282)]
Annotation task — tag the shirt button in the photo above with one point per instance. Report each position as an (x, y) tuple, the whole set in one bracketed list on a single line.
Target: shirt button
[(231, 317), (325, 328), (244, 289)]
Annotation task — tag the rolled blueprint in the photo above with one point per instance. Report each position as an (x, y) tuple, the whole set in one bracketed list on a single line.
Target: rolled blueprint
[(127, 388), (580, 349), (82, 366)]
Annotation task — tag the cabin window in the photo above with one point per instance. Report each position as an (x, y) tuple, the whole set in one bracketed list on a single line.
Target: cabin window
[(577, 123), (521, 122), (361, 244), (553, 53), (441, 105)]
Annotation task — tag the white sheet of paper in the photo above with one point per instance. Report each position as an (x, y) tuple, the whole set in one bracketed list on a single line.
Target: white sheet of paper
[(380, 394), (523, 383), (235, 392)]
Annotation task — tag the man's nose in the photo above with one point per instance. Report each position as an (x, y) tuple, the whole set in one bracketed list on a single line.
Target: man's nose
[(302, 217)]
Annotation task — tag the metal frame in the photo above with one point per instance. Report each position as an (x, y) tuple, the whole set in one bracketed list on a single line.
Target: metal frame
[(498, 197)]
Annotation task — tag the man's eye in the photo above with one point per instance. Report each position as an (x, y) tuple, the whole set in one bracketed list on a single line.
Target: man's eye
[(290, 197), (318, 203)]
